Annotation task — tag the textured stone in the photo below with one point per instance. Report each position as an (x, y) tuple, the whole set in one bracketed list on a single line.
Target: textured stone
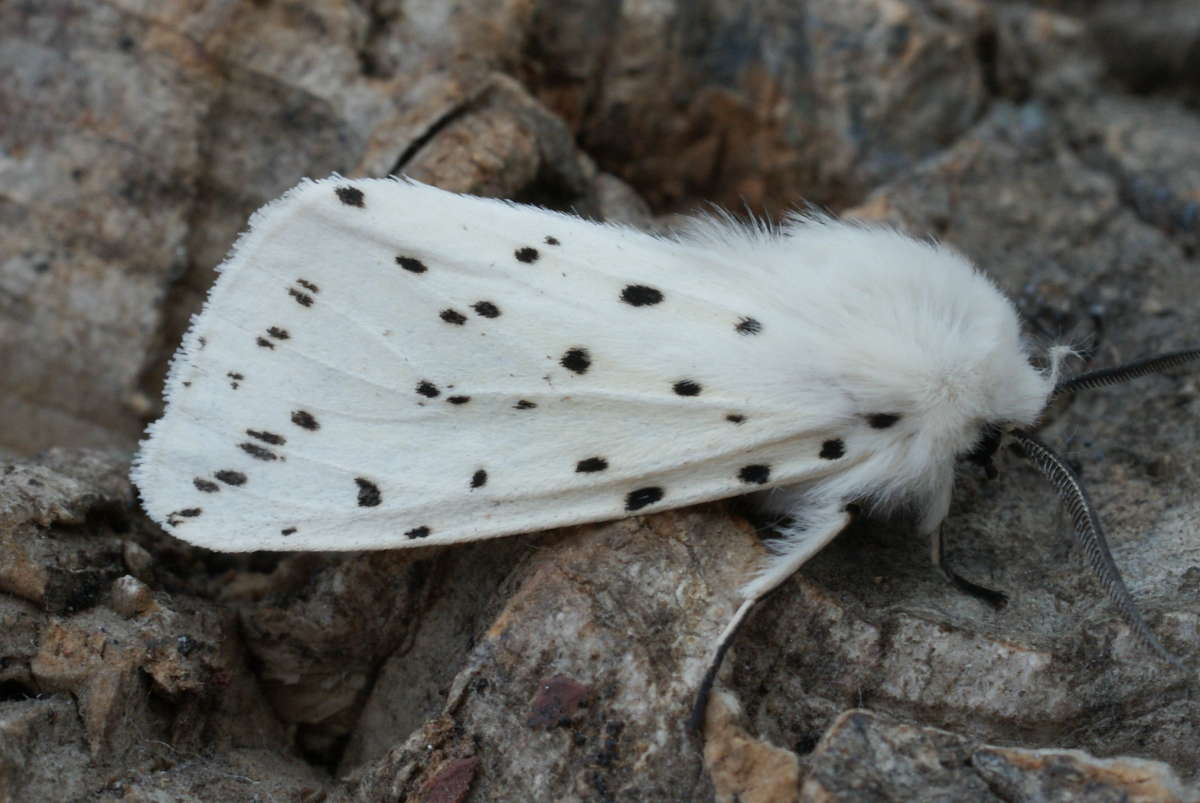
[(576, 609), (743, 768), (1148, 46), (98, 680), (761, 103), (1151, 148), (864, 754)]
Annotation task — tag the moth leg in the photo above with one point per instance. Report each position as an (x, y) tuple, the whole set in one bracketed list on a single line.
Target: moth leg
[(997, 599), (800, 542), (936, 509), (700, 707)]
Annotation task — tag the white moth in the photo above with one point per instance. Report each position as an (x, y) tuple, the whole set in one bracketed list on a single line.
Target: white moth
[(384, 364)]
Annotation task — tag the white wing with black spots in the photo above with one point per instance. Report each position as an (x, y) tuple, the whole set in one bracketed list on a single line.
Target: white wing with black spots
[(383, 363)]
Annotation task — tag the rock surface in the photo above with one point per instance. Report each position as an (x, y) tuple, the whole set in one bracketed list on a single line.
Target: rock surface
[(137, 138)]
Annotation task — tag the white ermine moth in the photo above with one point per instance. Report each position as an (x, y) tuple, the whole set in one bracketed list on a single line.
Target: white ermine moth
[(385, 364)]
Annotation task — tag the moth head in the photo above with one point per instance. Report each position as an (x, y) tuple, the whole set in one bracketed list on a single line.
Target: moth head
[(986, 386), (1016, 405), (1087, 529)]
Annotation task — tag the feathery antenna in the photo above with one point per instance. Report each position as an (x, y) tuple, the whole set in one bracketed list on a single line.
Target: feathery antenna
[(1090, 535), (1123, 373)]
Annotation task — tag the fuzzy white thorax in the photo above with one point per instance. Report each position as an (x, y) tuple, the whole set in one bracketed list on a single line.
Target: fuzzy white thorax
[(887, 323)]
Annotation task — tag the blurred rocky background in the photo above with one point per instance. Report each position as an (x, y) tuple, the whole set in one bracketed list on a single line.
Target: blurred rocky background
[(1056, 143)]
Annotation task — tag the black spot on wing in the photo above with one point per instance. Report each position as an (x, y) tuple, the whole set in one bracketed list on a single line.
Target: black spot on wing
[(636, 500), (264, 343), (175, 517), (748, 326), (882, 420), (527, 255), (479, 479), (735, 418), (287, 531), (368, 492), (230, 477), (458, 399), (576, 360), (687, 387), (418, 532), (305, 420), (411, 264), (524, 404), (590, 465), (428, 389), (278, 333), (639, 295), (486, 309), (267, 437), (235, 379), (303, 299), (756, 474), (207, 486), (833, 449), (351, 196), (550, 240), (453, 316), (258, 452)]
